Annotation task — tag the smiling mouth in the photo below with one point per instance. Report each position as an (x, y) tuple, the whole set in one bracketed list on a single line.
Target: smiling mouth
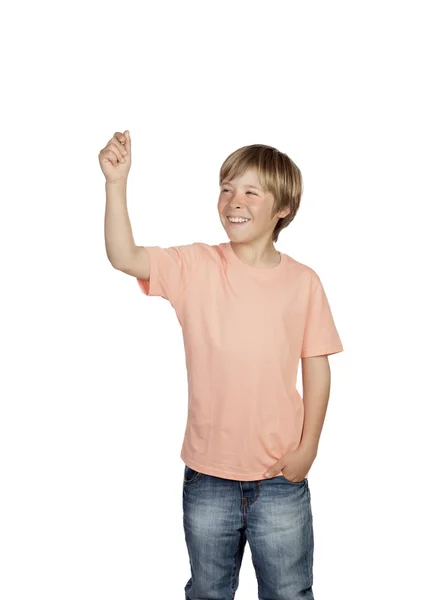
[(240, 222)]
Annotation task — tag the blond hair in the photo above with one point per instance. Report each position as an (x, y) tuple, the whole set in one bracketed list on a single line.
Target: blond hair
[(277, 173)]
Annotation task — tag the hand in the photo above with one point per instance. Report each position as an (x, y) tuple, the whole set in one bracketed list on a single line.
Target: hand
[(115, 158), (294, 465)]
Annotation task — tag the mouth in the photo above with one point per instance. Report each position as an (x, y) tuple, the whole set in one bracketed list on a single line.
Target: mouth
[(238, 223)]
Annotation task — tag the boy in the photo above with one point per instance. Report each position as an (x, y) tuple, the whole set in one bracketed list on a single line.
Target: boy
[(248, 314)]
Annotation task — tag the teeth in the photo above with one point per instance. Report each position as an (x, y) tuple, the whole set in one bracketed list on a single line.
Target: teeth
[(237, 220)]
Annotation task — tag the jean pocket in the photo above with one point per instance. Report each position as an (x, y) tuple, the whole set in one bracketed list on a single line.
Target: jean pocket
[(190, 475), (294, 482)]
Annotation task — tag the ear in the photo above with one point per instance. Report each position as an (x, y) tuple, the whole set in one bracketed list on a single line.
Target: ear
[(283, 213)]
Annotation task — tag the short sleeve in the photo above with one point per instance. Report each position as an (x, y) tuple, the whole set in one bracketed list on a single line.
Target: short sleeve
[(320, 333), (171, 271)]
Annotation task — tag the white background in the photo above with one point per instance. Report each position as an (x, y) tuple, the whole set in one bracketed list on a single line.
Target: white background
[(93, 380)]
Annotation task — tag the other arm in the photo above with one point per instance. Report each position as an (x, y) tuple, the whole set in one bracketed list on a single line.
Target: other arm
[(316, 380)]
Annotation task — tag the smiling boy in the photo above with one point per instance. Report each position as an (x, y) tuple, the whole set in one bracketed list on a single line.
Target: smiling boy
[(248, 314)]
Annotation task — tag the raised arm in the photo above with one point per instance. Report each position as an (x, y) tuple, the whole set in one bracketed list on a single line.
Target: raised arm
[(122, 252)]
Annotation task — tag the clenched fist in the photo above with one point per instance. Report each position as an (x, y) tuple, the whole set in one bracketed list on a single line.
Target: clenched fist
[(115, 158)]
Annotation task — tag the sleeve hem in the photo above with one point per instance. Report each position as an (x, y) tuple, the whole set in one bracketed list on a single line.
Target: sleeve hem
[(149, 287), (322, 351)]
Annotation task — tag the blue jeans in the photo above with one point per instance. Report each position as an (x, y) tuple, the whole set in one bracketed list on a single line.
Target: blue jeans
[(274, 515)]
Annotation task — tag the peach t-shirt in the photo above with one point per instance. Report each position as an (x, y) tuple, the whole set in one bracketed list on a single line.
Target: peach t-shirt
[(244, 331)]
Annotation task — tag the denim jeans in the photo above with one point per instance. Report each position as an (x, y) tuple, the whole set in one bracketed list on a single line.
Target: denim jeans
[(273, 515)]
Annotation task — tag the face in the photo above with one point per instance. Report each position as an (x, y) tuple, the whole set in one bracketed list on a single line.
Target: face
[(244, 197)]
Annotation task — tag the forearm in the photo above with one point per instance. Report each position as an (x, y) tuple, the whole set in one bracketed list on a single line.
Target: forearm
[(316, 379), (117, 227)]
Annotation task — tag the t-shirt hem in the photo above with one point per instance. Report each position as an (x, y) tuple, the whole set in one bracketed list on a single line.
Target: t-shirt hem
[(225, 474)]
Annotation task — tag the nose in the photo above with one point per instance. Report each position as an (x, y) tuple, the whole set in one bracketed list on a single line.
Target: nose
[(235, 202)]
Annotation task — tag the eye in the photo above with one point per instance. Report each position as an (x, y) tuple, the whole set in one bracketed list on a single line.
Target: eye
[(226, 190)]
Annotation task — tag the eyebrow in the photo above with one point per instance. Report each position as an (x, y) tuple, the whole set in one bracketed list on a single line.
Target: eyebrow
[(252, 186)]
